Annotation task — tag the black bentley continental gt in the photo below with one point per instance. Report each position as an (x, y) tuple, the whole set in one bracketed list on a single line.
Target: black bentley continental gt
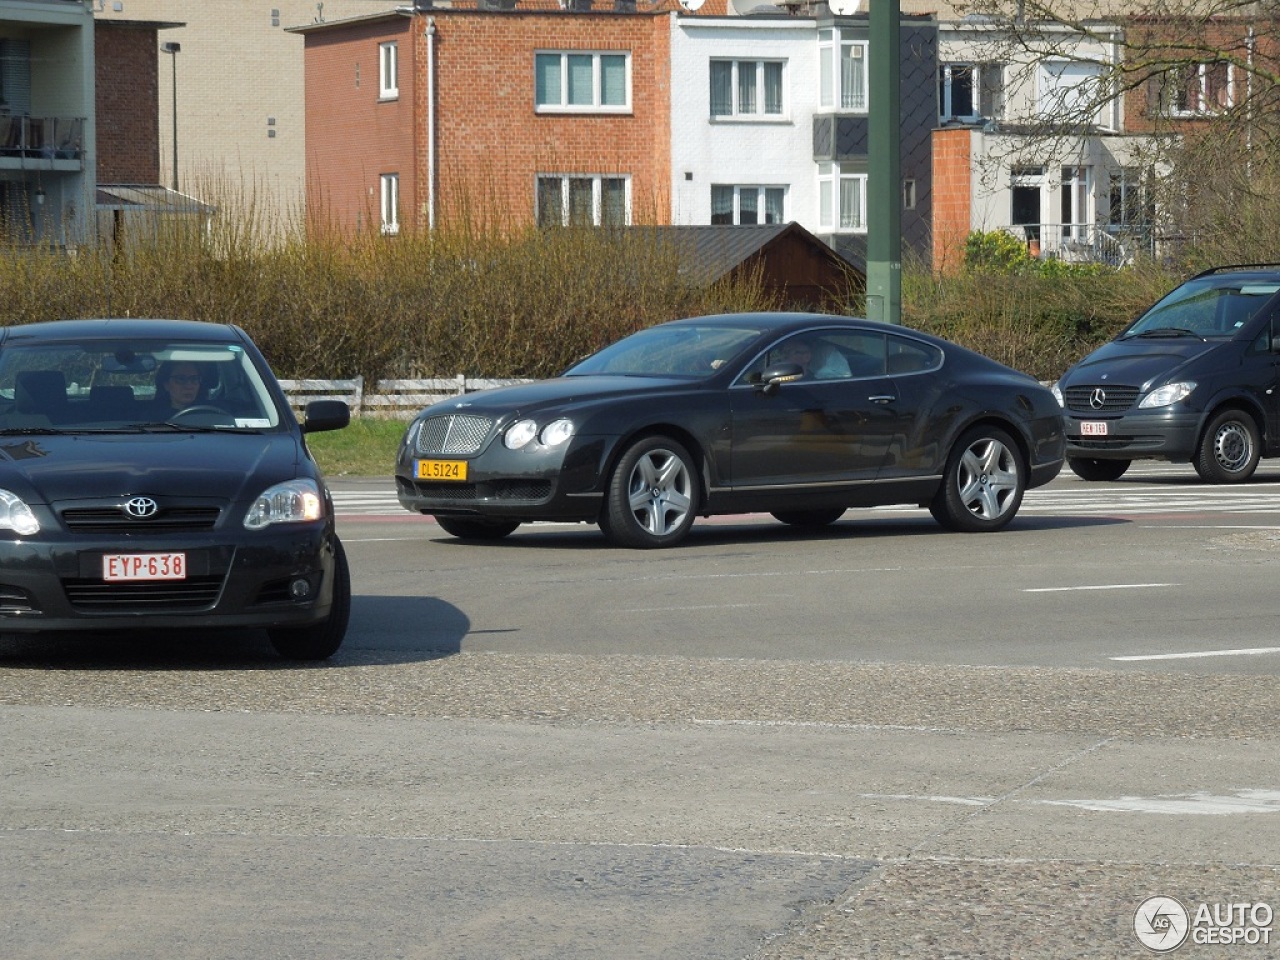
[(798, 415), (153, 477)]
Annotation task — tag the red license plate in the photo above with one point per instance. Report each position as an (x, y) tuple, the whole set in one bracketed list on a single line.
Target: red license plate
[(1093, 428), (117, 567)]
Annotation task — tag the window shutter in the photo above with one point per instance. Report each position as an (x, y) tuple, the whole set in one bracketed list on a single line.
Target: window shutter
[(991, 97), (1155, 95)]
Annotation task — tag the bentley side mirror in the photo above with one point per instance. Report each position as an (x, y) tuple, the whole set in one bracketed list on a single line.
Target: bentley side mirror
[(778, 374)]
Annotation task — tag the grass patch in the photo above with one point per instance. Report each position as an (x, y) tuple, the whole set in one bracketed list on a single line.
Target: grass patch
[(366, 448)]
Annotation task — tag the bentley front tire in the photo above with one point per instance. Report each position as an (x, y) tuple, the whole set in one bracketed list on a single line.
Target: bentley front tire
[(653, 495)]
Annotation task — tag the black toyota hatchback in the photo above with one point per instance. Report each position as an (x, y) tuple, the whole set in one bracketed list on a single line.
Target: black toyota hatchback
[(153, 477), (1195, 379)]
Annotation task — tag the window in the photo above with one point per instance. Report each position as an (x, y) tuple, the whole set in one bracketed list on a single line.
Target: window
[(582, 201), (746, 88), (842, 62), (1071, 91), (908, 194), (582, 82), (1198, 88), (390, 203), (388, 71), (1130, 199), (957, 94), (1025, 187), (1076, 191), (970, 91), (746, 205), (842, 198)]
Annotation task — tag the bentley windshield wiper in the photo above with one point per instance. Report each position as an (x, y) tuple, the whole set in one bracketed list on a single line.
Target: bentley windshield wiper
[(29, 431)]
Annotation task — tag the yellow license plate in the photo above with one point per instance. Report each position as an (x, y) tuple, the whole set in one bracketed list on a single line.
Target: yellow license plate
[(442, 470)]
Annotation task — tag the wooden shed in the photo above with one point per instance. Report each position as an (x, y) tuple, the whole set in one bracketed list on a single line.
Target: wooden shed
[(805, 272)]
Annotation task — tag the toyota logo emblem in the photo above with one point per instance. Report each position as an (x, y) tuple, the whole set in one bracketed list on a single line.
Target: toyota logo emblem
[(140, 508), (1098, 398)]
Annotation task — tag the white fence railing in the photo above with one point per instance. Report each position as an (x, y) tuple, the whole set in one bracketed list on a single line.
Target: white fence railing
[(390, 399)]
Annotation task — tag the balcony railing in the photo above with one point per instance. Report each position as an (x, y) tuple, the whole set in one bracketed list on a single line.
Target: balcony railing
[(51, 138), (1112, 244)]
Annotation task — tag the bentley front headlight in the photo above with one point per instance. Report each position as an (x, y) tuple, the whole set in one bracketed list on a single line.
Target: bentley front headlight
[(556, 432), (519, 434)]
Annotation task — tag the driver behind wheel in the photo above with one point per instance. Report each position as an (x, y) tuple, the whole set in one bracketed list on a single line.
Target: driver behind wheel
[(179, 384)]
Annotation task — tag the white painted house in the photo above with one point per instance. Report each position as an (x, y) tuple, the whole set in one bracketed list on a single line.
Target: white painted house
[(743, 95), (770, 123)]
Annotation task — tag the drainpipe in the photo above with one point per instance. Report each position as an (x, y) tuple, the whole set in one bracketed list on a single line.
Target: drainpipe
[(431, 123)]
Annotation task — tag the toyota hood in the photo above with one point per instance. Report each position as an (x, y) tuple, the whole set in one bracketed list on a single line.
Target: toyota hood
[(60, 467)]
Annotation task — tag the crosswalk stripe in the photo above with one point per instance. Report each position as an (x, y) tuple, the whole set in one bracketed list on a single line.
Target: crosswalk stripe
[(1092, 501)]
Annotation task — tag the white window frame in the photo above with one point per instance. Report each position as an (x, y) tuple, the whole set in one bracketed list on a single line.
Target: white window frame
[(1031, 177), (761, 193), (1198, 85), (597, 83), (388, 70), (1063, 86), (833, 45), (1128, 195), (833, 180), (597, 193), (389, 203), (760, 110), (946, 109), (1077, 202)]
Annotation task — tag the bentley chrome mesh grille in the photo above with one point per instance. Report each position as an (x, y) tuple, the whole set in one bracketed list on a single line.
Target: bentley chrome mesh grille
[(460, 434)]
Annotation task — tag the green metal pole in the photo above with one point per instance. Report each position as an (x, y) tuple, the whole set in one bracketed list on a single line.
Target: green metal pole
[(884, 175)]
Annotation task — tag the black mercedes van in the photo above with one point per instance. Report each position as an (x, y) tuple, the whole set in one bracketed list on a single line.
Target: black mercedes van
[(1196, 378)]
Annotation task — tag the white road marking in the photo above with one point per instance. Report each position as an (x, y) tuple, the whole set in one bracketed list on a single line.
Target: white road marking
[(1196, 804), (1196, 654), (1070, 498), (963, 801), (704, 606), (1098, 586)]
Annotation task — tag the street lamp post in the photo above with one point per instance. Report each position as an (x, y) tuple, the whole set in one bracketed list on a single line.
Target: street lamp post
[(173, 49)]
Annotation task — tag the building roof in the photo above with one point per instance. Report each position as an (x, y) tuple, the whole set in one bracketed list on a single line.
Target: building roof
[(798, 266), (157, 199), (711, 253)]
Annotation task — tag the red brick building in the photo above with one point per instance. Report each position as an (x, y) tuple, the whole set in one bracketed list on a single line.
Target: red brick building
[(416, 117), (126, 93)]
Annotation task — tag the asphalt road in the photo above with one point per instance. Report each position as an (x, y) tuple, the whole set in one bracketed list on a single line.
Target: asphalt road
[(878, 741)]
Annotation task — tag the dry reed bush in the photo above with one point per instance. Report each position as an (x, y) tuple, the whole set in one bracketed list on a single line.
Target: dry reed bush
[(493, 303), (1038, 320), (1233, 214), (488, 299)]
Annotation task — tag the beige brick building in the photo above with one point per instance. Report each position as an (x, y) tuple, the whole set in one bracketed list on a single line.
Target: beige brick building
[(240, 97)]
